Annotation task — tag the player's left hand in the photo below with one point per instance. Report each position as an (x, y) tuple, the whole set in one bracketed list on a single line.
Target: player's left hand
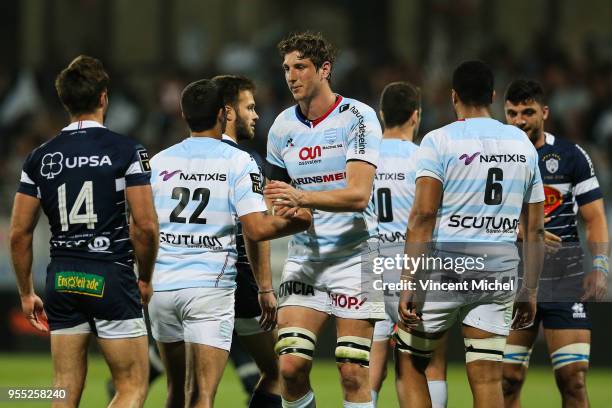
[(146, 292), (282, 194), (595, 285), (407, 310), (267, 302), (34, 312), (525, 307)]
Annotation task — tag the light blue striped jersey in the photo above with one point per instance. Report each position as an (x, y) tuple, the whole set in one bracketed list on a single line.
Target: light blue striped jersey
[(200, 188), (394, 188), (488, 170), (314, 154)]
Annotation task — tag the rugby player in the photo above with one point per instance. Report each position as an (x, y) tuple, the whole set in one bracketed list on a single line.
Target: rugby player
[(201, 187), (85, 179), (327, 147), (472, 179), (571, 187), (400, 111), (255, 305)]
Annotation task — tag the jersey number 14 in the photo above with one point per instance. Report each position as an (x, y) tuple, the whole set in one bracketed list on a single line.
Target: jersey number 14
[(74, 216)]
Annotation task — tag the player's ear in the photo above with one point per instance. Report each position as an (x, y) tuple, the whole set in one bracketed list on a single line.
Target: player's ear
[(325, 70), (545, 112), (230, 113), (493, 97), (382, 117), (414, 118), (103, 102), (454, 97)]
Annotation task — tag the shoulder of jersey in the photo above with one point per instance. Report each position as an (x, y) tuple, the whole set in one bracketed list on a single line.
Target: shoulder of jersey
[(117, 138), (562, 143), (347, 103)]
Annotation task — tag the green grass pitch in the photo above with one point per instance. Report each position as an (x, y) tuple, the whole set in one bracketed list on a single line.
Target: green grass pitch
[(34, 370)]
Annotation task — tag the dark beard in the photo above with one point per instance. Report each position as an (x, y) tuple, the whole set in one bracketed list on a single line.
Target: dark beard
[(243, 131)]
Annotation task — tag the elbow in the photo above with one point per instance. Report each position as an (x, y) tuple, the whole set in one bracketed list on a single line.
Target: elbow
[(148, 229), (254, 233), (423, 216), (360, 204)]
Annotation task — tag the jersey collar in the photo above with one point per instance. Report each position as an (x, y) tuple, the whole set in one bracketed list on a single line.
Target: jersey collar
[(315, 122), (228, 139), (550, 139), (82, 124)]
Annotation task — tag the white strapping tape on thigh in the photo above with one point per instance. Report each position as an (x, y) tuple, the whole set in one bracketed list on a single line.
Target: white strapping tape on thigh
[(515, 354), (296, 341), (353, 349), (572, 353), (491, 349), (416, 345)]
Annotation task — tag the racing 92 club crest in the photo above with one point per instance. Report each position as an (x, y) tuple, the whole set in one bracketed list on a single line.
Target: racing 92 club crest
[(51, 165), (552, 165)]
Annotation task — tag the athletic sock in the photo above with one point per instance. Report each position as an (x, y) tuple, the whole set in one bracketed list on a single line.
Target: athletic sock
[(263, 399), (438, 392), (348, 404), (307, 401)]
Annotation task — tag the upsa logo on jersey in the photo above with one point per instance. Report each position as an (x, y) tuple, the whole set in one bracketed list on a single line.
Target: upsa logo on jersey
[(52, 164), (553, 199)]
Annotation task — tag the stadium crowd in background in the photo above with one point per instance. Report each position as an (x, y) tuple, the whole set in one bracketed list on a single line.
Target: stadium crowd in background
[(580, 97)]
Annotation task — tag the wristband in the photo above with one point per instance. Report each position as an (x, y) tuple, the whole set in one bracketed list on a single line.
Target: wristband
[(261, 292), (601, 263)]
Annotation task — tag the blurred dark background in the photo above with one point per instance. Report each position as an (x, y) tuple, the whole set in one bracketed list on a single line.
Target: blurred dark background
[(153, 48)]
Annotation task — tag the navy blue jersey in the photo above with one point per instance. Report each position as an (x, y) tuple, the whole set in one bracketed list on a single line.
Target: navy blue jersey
[(80, 177), (243, 260), (569, 182)]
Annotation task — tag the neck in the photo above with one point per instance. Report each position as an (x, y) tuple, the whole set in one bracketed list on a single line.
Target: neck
[(469, 112), (318, 104), (403, 132), (97, 116), (214, 133), (541, 140)]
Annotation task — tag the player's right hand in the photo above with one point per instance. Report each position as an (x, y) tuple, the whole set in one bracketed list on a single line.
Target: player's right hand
[(34, 312), (407, 310), (146, 291), (268, 304), (525, 308)]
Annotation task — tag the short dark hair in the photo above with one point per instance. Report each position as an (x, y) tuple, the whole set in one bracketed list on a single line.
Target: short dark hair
[(80, 85), (309, 45), (523, 90), (200, 102), (398, 102), (474, 84), (230, 87)]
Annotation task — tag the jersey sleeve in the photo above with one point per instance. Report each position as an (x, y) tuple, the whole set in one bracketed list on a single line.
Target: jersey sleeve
[(275, 168), (27, 183), (586, 186), (364, 136), (535, 186), (247, 188), (138, 172), (429, 159)]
